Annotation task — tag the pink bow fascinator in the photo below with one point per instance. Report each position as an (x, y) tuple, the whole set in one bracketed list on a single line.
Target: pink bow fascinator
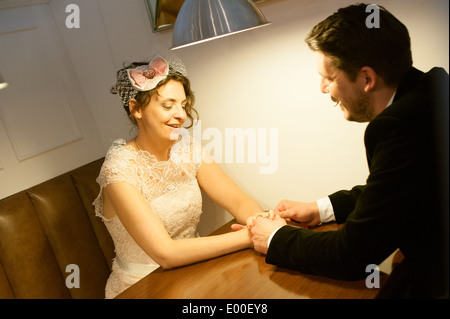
[(146, 77)]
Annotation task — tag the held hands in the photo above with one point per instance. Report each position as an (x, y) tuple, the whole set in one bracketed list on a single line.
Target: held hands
[(261, 230), (262, 225), (252, 219)]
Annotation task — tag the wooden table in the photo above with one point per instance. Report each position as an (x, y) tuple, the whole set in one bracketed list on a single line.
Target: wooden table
[(245, 275)]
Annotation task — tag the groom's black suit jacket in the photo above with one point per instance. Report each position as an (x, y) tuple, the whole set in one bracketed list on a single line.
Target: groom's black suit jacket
[(402, 205)]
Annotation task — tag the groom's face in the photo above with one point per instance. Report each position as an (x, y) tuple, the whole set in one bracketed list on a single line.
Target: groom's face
[(349, 95)]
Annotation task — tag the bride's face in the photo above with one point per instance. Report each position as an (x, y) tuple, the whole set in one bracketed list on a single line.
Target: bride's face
[(165, 114)]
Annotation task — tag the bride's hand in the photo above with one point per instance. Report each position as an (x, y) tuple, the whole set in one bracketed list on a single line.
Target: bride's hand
[(238, 226)]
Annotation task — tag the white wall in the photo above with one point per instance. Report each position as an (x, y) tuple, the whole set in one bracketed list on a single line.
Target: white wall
[(265, 78)]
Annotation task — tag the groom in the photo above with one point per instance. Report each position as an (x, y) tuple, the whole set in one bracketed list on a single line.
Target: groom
[(404, 203)]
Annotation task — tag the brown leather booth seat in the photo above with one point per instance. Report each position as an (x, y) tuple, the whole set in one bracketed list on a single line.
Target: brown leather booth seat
[(48, 227)]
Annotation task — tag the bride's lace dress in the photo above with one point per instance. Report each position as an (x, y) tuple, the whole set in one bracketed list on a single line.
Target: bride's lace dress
[(170, 189)]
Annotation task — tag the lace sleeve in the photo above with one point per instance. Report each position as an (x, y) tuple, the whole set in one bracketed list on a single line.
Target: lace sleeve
[(116, 168)]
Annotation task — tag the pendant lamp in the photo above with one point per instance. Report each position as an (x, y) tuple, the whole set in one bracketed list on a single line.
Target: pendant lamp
[(203, 20)]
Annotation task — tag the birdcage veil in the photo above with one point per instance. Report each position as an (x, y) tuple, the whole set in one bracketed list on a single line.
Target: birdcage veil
[(145, 76)]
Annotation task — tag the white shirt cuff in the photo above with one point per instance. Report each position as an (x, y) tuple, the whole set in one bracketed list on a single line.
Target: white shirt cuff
[(326, 211), (271, 235)]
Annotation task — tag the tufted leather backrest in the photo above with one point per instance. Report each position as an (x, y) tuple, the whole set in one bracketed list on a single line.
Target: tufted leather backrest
[(48, 227)]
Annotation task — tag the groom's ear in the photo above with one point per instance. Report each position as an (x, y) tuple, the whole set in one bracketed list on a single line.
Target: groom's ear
[(368, 78)]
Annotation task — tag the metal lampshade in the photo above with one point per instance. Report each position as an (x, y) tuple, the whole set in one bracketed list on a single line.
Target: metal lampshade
[(203, 20)]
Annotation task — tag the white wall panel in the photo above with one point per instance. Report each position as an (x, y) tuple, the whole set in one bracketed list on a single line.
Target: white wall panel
[(41, 119), (46, 127)]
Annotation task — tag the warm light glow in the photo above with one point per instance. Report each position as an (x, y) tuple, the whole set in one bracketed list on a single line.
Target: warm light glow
[(3, 85)]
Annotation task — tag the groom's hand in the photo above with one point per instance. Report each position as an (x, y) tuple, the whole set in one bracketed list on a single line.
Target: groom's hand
[(262, 229), (304, 213)]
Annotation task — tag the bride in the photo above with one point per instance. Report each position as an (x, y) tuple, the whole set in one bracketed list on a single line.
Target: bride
[(150, 198)]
